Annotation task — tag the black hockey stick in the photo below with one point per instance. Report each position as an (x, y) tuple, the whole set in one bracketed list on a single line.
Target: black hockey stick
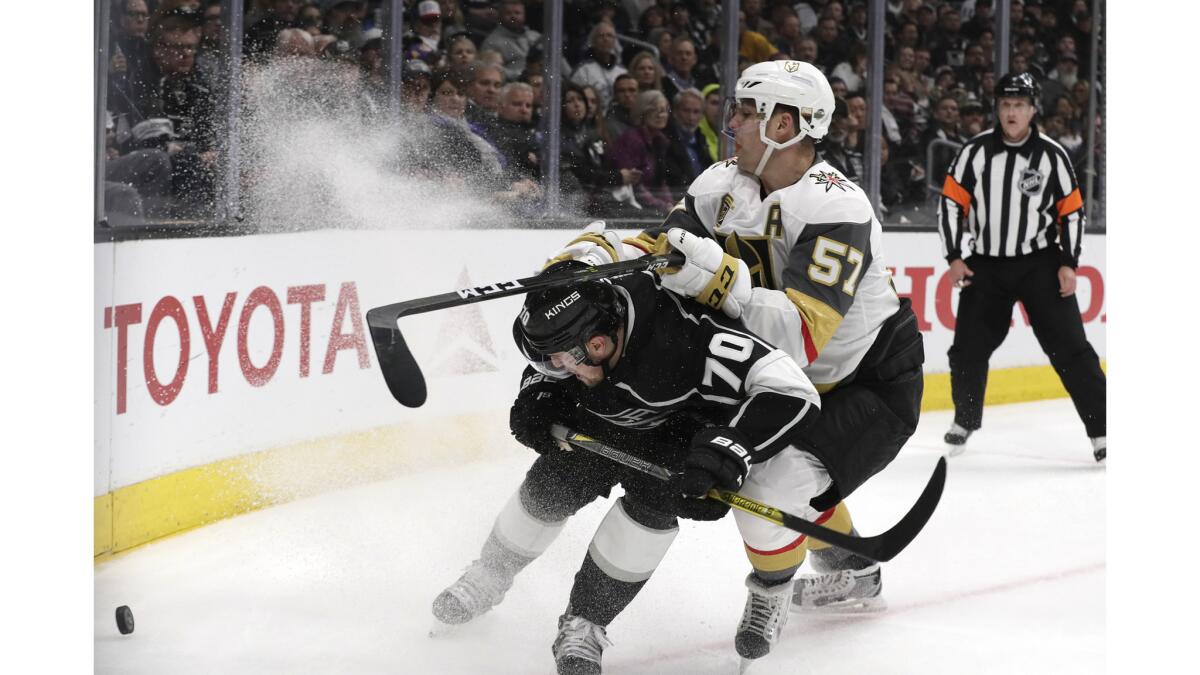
[(401, 371), (881, 547)]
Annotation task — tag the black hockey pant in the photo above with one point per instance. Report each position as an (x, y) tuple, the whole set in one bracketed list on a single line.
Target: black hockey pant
[(984, 315)]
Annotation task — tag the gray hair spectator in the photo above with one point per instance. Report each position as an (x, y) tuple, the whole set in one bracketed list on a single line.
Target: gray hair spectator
[(294, 43), (512, 38), (600, 66), (514, 134), (644, 147)]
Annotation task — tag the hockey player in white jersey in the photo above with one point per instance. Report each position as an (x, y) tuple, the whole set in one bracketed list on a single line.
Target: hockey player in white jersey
[(783, 241)]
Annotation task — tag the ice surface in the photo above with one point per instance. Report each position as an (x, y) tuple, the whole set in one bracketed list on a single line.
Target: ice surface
[(1008, 577)]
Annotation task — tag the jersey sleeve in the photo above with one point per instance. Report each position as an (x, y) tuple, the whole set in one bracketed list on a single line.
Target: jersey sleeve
[(955, 202), (821, 277), (1068, 210), (770, 398)]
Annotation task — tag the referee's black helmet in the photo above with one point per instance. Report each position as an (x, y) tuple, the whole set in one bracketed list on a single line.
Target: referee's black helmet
[(1019, 84)]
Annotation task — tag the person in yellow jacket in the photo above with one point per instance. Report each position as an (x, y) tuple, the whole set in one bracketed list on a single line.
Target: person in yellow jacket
[(710, 123)]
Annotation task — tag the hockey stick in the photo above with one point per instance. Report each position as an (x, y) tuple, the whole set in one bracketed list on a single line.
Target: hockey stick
[(881, 547), (400, 369)]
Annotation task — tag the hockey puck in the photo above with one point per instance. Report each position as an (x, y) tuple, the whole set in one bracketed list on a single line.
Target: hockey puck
[(125, 619)]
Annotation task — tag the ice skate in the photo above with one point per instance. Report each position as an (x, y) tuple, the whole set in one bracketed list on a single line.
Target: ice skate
[(840, 591), (579, 646), (957, 437), (479, 589), (1100, 448), (763, 619)]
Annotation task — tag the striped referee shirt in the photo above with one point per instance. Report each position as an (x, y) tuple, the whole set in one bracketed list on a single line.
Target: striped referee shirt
[(1011, 200)]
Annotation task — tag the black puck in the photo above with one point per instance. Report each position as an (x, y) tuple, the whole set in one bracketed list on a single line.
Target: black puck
[(125, 619)]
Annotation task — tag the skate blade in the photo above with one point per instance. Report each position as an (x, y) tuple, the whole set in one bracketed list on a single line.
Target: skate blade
[(867, 606), (441, 630), (956, 450), (744, 665)]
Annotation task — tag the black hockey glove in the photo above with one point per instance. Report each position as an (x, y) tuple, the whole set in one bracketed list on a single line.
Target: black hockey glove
[(540, 404), (719, 458)]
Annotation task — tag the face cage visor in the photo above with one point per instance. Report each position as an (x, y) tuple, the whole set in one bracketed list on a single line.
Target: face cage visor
[(544, 364)]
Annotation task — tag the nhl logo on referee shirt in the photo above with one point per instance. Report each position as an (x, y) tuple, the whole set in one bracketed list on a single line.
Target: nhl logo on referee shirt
[(1031, 182)]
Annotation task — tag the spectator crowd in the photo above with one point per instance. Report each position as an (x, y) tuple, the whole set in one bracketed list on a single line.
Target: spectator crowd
[(641, 110)]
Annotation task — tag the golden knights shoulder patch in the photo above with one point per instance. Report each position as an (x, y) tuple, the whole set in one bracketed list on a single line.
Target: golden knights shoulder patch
[(726, 204)]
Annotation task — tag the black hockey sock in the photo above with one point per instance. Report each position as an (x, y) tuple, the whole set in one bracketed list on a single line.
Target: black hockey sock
[(499, 557), (775, 578), (598, 597), (834, 559)]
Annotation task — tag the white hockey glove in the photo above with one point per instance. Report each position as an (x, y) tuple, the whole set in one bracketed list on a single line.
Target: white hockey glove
[(595, 246), (710, 275)]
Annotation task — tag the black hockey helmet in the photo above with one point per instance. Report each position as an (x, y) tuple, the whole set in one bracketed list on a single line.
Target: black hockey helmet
[(1019, 84), (563, 319)]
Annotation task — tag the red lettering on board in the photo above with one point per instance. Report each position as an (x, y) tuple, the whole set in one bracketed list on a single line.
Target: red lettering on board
[(941, 302), (305, 296), (917, 293), (125, 316), (1096, 302), (260, 297), (166, 308), (213, 337), (356, 339)]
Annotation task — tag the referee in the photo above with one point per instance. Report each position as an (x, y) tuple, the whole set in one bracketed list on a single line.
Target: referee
[(1011, 196)]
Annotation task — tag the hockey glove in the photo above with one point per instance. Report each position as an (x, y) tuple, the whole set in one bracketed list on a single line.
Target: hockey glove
[(594, 246), (718, 458), (540, 404), (710, 275)]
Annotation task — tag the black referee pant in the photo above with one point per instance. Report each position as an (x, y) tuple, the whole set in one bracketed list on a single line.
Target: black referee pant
[(984, 313)]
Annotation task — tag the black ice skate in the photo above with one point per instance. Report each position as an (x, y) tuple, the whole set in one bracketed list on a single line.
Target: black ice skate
[(957, 437), (479, 589), (579, 646), (763, 619), (841, 591)]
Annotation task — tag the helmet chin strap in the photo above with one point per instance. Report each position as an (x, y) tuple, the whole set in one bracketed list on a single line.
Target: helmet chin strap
[(762, 163), (771, 146)]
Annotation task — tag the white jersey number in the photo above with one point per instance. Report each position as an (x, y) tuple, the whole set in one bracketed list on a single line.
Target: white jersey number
[(735, 348)]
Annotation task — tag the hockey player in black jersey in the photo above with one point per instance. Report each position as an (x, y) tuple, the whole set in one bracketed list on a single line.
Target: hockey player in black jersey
[(783, 241), (667, 380)]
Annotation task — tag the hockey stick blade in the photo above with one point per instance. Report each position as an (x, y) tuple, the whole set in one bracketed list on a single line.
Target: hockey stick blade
[(400, 369), (881, 547)]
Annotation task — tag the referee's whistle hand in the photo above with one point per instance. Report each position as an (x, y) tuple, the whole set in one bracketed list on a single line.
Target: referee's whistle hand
[(959, 273), (1066, 281)]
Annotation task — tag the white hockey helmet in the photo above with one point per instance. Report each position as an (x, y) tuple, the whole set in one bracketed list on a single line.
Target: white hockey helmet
[(793, 83)]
